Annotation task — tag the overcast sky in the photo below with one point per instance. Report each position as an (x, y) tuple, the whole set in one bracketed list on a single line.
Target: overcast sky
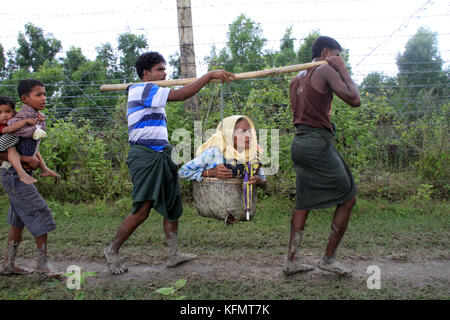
[(374, 31)]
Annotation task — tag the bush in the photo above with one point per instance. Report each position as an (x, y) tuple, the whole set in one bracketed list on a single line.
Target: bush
[(433, 163), (80, 158), (379, 143)]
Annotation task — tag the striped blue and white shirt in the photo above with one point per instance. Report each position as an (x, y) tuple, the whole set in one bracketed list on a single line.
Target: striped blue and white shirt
[(147, 122)]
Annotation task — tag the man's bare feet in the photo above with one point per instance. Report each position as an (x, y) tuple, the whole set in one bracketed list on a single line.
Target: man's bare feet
[(334, 266), (27, 179), (47, 270), (49, 173), (174, 260), (174, 257), (114, 265), (296, 266), (13, 269)]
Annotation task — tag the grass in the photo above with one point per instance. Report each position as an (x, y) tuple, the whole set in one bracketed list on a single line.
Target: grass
[(334, 288), (378, 228)]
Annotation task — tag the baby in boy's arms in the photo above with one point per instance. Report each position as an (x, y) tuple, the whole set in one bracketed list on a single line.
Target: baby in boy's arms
[(8, 141)]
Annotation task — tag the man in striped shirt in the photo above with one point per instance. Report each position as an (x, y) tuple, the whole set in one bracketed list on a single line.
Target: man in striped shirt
[(154, 175), (147, 122)]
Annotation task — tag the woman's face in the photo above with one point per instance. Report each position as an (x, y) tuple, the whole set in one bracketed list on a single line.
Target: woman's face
[(242, 135)]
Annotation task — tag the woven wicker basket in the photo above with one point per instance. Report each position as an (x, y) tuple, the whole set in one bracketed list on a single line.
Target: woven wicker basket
[(222, 198)]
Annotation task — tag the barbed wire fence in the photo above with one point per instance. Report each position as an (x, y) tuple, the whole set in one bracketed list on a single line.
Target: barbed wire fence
[(107, 111), (102, 115)]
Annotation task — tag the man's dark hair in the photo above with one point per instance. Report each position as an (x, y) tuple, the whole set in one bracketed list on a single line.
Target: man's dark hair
[(4, 100), (26, 86), (323, 42), (146, 62)]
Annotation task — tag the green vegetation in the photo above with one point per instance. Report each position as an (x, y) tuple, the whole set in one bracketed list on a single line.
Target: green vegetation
[(408, 231), (401, 129), (171, 292), (396, 144)]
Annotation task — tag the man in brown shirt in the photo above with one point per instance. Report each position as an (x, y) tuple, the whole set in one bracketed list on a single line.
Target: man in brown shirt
[(322, 178)]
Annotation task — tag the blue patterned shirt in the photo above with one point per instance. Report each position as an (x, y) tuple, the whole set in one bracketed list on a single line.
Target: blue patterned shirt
[(209, 159)]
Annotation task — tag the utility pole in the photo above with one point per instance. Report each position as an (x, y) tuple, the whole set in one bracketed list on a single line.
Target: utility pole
[(187, 53)]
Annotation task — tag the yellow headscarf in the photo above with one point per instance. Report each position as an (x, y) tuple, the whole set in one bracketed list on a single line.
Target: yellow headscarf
[(223, 140)]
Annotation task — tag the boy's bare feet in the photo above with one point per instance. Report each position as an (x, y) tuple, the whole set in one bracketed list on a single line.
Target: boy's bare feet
[(8, 266), (49, 173), (46, 269), (42, 266), (13, 269), (114, 265)]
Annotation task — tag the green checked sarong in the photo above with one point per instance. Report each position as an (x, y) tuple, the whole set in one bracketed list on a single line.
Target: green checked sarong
[(322, 177), (155, 178)]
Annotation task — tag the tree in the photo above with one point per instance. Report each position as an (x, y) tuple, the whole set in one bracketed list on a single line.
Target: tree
[(244, 49), (287, 42), (86, 103), (377, 83), (74, 59), (51, 74), (11, 65), (304, 52), (220, 60), (107, 56), (286, 55), (35, 48), (131, 46), (78, 98), (2, 62), (245, 43), (420, 65), (174, 62), (243, 52)]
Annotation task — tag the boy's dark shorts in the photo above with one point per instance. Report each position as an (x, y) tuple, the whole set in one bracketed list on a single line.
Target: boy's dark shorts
[(27, 207), (26, 146)]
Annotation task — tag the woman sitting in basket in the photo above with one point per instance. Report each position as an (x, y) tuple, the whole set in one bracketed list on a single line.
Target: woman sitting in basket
[(232, 152)]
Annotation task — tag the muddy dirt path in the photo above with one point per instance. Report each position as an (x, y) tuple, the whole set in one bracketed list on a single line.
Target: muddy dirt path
[(417, 273)]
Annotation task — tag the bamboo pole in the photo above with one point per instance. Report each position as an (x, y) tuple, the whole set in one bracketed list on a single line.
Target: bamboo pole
[(239, 76)]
